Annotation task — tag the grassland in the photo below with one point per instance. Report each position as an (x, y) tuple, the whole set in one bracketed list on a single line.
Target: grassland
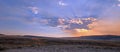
[(46, 44)]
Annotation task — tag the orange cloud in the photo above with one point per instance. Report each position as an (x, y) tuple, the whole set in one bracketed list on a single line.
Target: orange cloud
[(107, 24), (103, 26)]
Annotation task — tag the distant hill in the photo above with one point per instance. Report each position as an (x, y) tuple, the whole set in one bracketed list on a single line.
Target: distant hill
[(102, 37), (2, 34), (97, 37)]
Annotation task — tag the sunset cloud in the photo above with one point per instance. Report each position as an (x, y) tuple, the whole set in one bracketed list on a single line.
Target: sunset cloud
[(107, 24)]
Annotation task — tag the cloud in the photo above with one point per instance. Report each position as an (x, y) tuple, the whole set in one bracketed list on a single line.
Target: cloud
[(72, 26), (119, 0), (118, 5), (35, 10), (106, 24), (61, 3)]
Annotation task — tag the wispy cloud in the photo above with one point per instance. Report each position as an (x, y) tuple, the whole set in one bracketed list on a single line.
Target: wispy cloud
[(61, 3), (35, 10)]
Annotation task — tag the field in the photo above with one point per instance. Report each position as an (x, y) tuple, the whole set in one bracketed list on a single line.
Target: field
[(46, 44)]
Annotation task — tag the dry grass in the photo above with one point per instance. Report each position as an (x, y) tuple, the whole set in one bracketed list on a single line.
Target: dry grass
[(43, 44)]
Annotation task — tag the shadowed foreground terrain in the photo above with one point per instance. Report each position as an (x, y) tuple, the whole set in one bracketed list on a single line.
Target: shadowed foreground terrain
[(47, 44)]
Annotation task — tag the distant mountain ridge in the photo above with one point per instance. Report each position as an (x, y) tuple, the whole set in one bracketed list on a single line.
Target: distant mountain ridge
[(96, 37)]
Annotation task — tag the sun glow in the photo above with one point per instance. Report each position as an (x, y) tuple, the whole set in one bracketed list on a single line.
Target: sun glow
[(81, 30)]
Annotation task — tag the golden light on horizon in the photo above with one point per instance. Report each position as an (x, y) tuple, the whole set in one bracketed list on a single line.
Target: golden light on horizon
[(84, 32), (81, 30)]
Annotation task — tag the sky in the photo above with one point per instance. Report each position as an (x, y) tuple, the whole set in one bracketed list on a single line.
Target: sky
[(60, 18)]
